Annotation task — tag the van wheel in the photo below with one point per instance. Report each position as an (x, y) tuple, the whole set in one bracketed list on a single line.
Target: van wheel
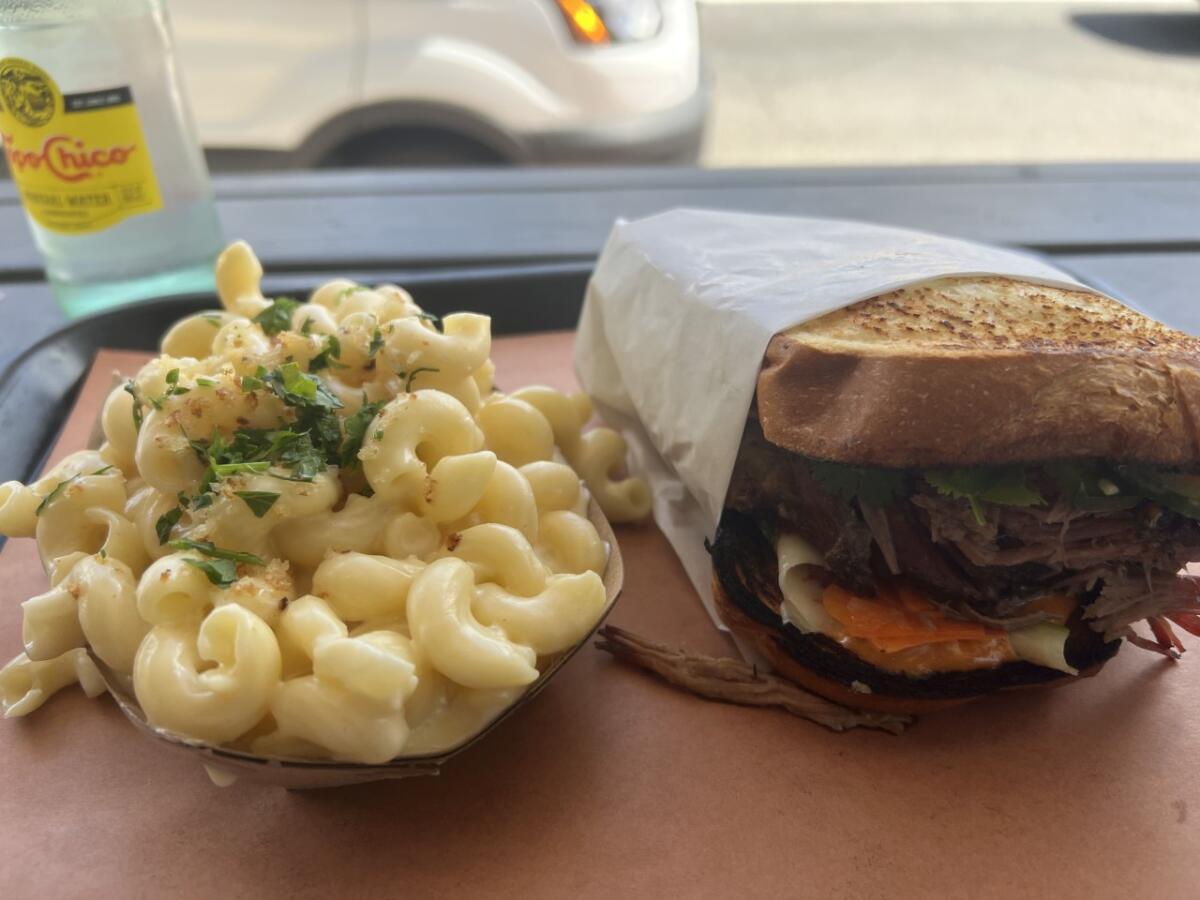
[(411, 147)]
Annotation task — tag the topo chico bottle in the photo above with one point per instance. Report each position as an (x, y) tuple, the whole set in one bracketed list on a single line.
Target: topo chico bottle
[(100, 144)]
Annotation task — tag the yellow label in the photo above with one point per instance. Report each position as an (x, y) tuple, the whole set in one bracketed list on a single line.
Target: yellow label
[(79, 160)]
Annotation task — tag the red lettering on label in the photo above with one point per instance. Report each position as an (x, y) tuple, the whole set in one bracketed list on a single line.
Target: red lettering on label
[(64, 157)]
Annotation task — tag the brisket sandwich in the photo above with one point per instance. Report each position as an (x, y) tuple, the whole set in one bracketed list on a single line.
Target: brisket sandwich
[(962, 487)]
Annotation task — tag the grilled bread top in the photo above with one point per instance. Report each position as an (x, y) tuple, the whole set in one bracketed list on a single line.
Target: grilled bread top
[(983, 370)]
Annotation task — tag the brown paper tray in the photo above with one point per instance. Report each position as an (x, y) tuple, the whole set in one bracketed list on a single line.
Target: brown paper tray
[(613, 781)]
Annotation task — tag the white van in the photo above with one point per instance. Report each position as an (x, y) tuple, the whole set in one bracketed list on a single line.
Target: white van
[(424, 82)]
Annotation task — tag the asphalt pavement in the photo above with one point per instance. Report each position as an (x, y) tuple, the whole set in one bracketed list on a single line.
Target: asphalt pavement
[(860, 83)]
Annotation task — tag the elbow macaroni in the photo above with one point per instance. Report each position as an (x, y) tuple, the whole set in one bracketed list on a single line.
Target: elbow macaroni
[(317, 530), (180, 693), (26, 684), (443, 622), (108, 612), (18, 509)]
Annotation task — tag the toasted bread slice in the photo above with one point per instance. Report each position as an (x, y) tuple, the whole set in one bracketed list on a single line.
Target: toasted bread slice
[(983, 370)]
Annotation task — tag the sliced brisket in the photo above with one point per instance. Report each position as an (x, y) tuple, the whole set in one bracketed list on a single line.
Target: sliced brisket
[(992, 569)]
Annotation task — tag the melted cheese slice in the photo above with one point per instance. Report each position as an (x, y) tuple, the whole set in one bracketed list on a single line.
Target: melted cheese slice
[(802, 605), (1044, 644), (802, 608)]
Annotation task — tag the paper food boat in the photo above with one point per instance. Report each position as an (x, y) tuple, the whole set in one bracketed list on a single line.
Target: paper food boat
[(225, 766)]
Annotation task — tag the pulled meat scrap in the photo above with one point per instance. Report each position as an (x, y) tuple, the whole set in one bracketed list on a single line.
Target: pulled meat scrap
[(1133, 556), (733, 681), (989, 563)]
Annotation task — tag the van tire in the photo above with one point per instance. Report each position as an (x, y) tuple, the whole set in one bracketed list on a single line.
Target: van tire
[(411, 148)]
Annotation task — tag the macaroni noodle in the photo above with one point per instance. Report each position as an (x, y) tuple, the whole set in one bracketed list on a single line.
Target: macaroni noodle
[(26, 684), (316, 529)]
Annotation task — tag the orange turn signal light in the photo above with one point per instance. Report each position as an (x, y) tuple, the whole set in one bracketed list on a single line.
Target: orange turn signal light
[(586, 25)]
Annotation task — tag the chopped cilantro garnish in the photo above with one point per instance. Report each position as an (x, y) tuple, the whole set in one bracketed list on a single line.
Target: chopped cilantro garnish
[(205, 382), (305, 446), (298, 454), (1091, 486), (220, 566), (210, 454), (278, 316), (376, 343), (131, 389), (213, 319), (255, 450), (356, 429), (306, 328), (328, 358), (260, 502), (166, 522), (295, 384), (409, 376), (174, 389), (313, 403), (1177, 491), (54, 495), (224, 470), (1086, 485), (429, 317), (255, 444), (296, 388), (353, 289), (62, 486), (221, 572), (1008, 486), (875, 487), (208, 548)]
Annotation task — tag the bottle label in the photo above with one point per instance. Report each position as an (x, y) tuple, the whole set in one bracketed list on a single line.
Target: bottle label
[(79, 160)]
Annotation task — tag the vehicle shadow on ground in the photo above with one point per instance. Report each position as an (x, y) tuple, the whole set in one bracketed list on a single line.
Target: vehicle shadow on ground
[(1177, 34)]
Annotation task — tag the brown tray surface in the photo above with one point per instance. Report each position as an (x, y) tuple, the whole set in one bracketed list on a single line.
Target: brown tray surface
[(611, 783)]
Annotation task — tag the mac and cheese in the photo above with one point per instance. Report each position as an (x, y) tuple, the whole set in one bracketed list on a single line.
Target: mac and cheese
[(317, 530)]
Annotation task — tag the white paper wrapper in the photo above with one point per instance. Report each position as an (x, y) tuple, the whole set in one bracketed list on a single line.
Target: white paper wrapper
[(678, 315)]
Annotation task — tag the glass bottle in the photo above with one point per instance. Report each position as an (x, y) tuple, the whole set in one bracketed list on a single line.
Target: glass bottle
[(100, 142)]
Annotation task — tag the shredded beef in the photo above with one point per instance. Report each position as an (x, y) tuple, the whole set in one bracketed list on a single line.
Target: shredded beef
[(920, 558), (1129, 596), (875, 518), (988, 570), (850, 556), (770, 480), (1013, 536), (1133, 553)]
